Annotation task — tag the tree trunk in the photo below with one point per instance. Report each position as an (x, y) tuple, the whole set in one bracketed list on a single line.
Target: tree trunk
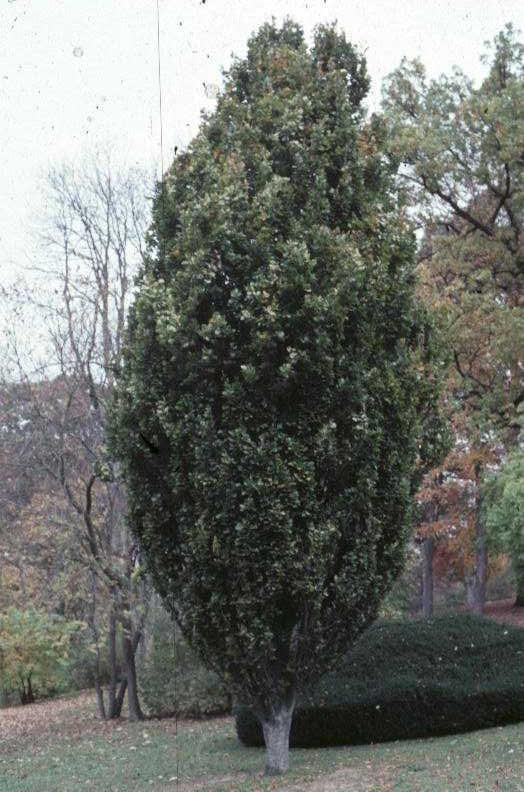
[(26, 691), (112, 703), (119, 701), (519, 575), (91, 618), (276, 728), (428, 547), (100, 697), (129, 649), (476, 581)]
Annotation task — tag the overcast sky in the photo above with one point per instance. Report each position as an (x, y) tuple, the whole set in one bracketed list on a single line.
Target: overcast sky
[(80, 74)]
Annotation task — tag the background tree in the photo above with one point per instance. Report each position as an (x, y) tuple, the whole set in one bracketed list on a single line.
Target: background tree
[(450, 497), (429, 528), (503, 512), (461, 154), (34, 650), (276, 377), (93, 236)]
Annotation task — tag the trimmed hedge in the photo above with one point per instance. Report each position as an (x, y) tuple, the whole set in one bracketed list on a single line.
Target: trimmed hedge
[(412, 679)]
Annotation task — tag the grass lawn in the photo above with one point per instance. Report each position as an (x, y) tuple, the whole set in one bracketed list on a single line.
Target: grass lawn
[(60, 746)]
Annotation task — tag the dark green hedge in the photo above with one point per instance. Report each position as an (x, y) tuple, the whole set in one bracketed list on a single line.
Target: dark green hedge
[(412, 679)]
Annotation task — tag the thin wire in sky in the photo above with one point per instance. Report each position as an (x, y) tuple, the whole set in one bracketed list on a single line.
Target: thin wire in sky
[(162, 199), (160, 90)]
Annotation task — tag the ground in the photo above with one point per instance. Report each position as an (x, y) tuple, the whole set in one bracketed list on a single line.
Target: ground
[(60, 746), (505, 611)]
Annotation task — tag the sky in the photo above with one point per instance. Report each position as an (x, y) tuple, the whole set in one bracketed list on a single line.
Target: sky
[(81, 76)]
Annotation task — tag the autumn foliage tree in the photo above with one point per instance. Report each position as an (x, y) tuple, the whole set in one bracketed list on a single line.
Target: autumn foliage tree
[(460, 150), (277, 377), (54, 406), (448, 529), (34, 648)]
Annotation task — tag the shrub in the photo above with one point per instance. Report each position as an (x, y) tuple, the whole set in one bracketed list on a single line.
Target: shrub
[(173, 680), (34, 653), (412, 679)]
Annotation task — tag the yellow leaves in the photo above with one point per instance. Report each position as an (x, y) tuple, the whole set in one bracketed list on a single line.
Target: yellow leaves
[(280, 60), (34, 646), (366, 144)]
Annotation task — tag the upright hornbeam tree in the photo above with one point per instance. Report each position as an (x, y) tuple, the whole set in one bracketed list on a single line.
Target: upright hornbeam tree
[(276, 403)]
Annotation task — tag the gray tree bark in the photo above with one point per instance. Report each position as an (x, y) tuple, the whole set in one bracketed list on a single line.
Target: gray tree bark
[(476, 581), (428, 547), (129, 646), (112, 703), (276, 727), (519, 574), (100, 698)]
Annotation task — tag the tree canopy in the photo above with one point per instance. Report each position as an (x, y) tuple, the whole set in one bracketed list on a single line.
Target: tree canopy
[(460, 149), (274, 392), (34, 649)]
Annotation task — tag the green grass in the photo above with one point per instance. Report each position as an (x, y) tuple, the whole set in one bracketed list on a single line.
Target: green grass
[(78, 752)]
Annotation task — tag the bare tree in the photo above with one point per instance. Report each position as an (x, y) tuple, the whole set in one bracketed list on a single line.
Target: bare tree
[(93, 240)]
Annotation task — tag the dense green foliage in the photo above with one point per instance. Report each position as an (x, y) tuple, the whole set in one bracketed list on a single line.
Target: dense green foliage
[(172, 680), (412, 679), (275, 404), (503, 512), (34, 653)]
